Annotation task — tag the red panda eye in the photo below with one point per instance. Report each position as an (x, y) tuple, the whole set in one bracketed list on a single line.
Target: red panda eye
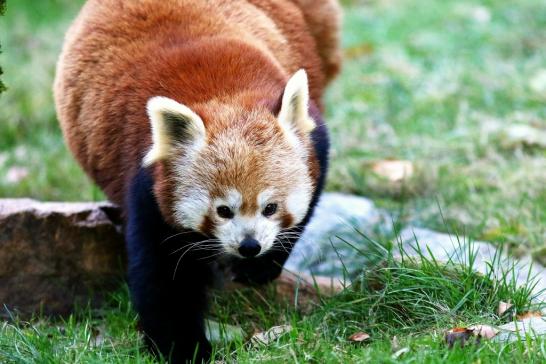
[(270, 209), (225, 212)]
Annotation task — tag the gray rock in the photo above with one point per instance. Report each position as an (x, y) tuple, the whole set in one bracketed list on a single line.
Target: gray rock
[(57, 255), (323, 248), (531, 327), (333, 244), (445, 247)]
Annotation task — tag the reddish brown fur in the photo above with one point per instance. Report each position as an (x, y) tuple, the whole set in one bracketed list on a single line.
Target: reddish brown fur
[(119, 53)]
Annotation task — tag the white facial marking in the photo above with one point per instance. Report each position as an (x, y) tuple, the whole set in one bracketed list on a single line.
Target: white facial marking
[(234, 230), (233, 199), (265, 196), (298, 201), (192, 208)]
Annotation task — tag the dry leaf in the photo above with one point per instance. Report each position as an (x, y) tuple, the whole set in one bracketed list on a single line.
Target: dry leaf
[(463, 334), (529, 314), (458, 334), (267, 337), (503, 307), (393, 170), (359, 336), (484, 331), (359, 50)]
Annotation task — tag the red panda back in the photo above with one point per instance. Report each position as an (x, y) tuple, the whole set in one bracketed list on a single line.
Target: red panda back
[(118, 54)]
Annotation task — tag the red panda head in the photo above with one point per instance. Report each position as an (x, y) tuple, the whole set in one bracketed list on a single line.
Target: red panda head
[(236, 174)]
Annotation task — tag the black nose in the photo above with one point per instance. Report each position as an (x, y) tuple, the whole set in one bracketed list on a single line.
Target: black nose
[(249, 247)]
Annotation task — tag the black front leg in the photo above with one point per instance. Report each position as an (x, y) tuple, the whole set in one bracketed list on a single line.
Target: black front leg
[(170, 305)]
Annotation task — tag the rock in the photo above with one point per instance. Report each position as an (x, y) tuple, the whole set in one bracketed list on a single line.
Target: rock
[(304, 290), (329, 245), (54, 256), (57, 255), (532, 327), (321, 250), (444, 247), (297, 289)]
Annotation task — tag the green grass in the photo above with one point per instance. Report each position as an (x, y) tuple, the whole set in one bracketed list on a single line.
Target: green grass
[(432, 82), (436, 83), (31, 35), (413, 299)]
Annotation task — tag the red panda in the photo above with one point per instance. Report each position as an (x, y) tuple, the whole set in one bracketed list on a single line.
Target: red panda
[(201, 119)]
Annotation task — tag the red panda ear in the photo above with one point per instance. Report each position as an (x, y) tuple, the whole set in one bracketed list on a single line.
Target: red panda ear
[(172, 124), (294, 114)]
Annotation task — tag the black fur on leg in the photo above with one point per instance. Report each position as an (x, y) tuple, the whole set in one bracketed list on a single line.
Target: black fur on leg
[(170, 305)]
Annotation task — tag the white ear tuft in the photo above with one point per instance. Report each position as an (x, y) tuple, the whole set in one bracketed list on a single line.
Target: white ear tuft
[(172, 123), (294, 114)]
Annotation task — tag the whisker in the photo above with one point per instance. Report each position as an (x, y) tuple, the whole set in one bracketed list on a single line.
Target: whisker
[(177, 234), (198, 243)]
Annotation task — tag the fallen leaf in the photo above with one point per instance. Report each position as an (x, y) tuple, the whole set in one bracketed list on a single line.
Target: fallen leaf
[(484, 331), (458, 334), (359, 336), (529, 314), (393, 170), (503, 307), (267, 337), (358, 50)]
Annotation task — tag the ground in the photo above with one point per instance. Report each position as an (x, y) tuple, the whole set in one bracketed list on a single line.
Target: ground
[(441, 84)]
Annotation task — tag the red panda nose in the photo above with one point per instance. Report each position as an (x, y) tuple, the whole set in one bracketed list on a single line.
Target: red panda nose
[(249, 247)]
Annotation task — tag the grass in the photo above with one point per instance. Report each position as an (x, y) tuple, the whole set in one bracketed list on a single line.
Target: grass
[(433, 82), (437, 83), (405, 304)]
